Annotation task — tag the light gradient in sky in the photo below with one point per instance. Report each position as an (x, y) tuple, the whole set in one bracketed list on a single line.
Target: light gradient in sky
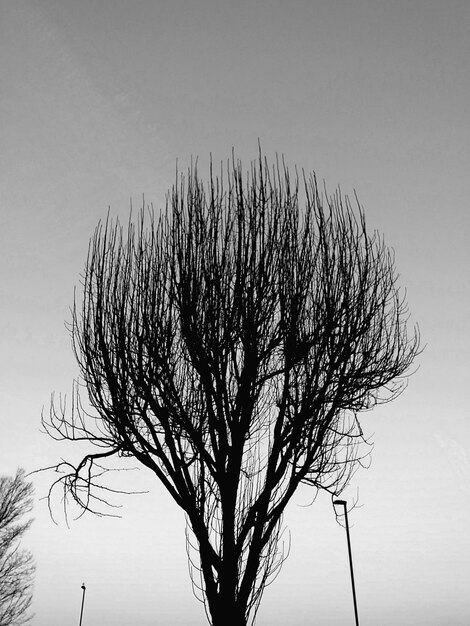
[(98, 100)]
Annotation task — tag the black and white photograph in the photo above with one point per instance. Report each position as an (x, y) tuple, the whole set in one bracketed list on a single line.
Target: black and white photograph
[(234, 312)]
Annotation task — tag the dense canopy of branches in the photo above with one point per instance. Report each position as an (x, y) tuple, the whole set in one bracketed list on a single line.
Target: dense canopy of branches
[(229, 345), (16, 565)]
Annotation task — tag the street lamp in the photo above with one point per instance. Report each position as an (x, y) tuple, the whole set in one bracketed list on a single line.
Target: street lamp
[(343, 503), (83, 602)]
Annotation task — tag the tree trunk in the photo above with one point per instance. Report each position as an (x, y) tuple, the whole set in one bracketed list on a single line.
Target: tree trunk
[(227, 612)]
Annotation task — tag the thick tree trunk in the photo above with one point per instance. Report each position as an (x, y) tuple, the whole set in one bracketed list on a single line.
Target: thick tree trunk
[(227, 612), (228, 609)]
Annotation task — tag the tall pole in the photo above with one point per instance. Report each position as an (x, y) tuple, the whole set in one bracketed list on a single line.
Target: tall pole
[(83, 602), (344, 504)]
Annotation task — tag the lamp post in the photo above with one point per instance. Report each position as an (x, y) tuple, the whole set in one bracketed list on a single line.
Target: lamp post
[(83, 602), (343, 503)]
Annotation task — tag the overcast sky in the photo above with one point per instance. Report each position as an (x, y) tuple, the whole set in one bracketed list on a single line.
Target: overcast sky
[(99, 98)]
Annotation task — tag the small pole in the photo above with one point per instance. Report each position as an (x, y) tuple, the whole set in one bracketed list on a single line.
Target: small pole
[(344, 504), (83, 602)]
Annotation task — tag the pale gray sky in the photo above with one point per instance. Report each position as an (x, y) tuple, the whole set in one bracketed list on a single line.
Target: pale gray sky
[(98, 100)]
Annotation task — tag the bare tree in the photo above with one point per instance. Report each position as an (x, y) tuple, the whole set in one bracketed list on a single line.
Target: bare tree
[(16, 565), (229, 345)]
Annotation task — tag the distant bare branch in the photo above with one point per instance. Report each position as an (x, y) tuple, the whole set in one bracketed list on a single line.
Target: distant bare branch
[(16, 565)]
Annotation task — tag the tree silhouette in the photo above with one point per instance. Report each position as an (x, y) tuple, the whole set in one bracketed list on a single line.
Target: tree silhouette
[(229, 345), (16, 565)]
